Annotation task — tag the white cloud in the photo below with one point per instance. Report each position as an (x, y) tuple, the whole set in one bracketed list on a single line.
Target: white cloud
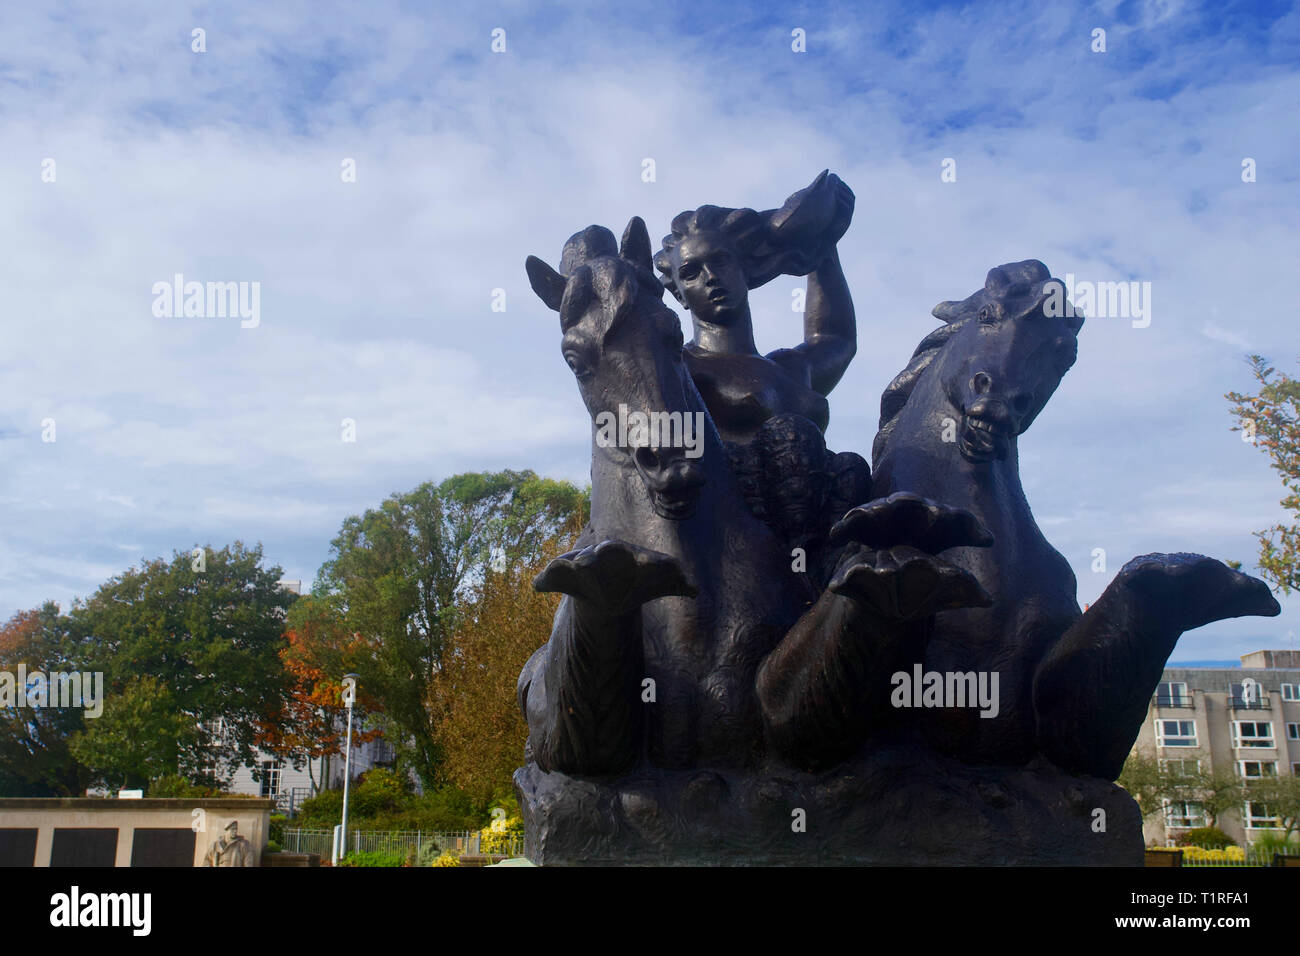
[(376, 295)]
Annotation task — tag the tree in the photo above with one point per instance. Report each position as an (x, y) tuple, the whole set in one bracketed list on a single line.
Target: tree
[(35, 757), (140, 736), (1272, 418), (399, 575), (1281, 795), (183, 643), (1217, 792), (311, 722), (479, 723), (1145, 782), (1151, 784)]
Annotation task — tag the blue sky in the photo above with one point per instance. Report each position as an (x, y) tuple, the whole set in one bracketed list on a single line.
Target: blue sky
[(376, 295)]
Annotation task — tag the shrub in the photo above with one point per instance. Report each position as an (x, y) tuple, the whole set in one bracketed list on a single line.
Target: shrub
[(276, 832), (273, 846), (177, 786), (322, 811), (375, 858), (1231, 854), (1209, 838), (381, 802), (500, 834), (1269, 842), (379, 791), (446, 858)]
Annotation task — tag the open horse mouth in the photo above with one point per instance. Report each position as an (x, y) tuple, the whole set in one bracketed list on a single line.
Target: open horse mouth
[(984, 440), (676, 504)]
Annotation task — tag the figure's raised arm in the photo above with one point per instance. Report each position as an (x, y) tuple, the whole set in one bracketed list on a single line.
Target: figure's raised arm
[(808, 226), (830, 328)]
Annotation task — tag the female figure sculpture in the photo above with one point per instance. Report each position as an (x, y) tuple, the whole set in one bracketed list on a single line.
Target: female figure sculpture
[(771, 411), (711, 260)]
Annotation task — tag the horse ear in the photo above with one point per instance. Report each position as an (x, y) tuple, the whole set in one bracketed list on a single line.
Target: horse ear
[(546, 282), (635, 247), (996, 282)]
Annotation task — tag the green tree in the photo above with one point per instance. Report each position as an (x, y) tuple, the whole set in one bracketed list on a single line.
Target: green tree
[(140, 736), (1145, 782), (400, 574), (1281, 795), (1151, 783), (35, 755), (1217, 791), (1272, 418), (183, 643)]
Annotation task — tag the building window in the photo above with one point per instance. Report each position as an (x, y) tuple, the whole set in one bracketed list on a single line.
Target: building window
[(1293, 731), (271, 771), (1251, 696), (1289, 691), (1257, 769), (1183, 815), (1172, 694), (1175, 733), (216, 731), (1295, 769), (1185, 767), (1258, 818), (1251, 733)]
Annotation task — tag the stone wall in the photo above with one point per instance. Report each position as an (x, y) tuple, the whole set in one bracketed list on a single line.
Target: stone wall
[(111, 832)]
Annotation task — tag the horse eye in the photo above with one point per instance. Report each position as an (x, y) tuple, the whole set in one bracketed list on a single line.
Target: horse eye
[(986, 315), (576, 364)]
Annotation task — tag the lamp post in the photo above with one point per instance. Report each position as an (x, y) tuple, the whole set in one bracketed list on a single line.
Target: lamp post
[(349, 698)]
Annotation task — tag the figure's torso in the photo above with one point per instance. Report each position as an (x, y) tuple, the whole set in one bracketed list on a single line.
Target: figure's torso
[(741, 392)]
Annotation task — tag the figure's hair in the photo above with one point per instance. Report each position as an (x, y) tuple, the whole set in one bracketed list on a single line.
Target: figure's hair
[(744, 228)]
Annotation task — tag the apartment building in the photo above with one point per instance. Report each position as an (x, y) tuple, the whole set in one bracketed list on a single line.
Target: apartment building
[(1243, 719)]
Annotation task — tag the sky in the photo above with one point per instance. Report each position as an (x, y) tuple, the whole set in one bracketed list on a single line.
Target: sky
[(376, 295)]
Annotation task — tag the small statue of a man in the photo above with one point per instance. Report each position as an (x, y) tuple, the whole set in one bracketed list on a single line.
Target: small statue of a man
[(230, 849)]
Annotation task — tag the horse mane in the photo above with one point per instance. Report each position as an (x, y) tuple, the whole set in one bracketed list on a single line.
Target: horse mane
[(898, 391)]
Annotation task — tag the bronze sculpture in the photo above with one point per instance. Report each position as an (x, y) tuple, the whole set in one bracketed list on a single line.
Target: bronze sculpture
[(724, 684)]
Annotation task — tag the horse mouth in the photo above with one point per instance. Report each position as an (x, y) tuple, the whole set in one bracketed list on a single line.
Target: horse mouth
[(983, 440), (674, 504)]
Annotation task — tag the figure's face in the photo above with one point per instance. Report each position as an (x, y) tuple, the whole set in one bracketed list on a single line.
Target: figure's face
[(711, 279)]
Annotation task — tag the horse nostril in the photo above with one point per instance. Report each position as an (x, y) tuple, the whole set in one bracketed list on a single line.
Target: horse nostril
[(1021, 403), (981, 383), (647, 458)]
